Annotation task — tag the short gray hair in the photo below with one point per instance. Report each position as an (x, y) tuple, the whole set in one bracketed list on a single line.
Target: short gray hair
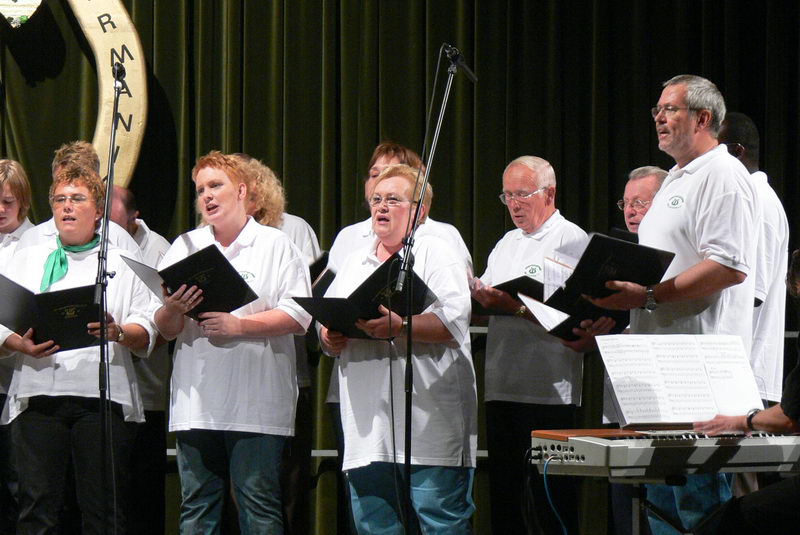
[(702, 94), (648, 170), (546, 176)]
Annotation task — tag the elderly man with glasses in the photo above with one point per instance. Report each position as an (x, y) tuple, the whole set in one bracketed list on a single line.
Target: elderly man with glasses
[(643, 184), (532, 380), (705, 212)]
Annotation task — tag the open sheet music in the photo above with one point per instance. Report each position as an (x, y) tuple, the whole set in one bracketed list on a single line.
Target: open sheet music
[(672, 380)]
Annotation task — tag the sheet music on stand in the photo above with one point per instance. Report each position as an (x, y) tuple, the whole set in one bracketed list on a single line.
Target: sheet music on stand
[(672, 380)]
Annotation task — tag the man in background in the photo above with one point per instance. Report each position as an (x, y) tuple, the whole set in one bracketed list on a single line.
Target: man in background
[(149, 452)]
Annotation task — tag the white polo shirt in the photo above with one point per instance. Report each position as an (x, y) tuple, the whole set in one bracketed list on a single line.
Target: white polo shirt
[(153, 371), (706, 210), (444, 411), (246, 384), (360, 235), (769, 319), (75, 372), (524, 364), (44, 232), (8, 244), (303, 236)]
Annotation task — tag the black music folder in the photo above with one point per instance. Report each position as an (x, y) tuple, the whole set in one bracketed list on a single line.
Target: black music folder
[(60, 316), (318, 265), (321, 275), (224, 290), (521, 285), (604, 259), (341, 313)]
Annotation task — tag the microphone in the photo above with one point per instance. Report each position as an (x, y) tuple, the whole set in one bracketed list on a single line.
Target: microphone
[(118, 70), (457, 59)]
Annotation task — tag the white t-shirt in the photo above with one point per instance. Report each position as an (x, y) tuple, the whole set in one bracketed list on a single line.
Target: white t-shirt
[(706, 210), (360, 235), (524, 364), (304, 237), (769, 319), (8, 244), (44, 232), (444, 419), (245, 384), (75, 372), (153, 371)]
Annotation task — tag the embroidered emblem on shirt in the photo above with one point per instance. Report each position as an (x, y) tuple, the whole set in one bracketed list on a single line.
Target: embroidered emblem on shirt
[(247, 276), (533, 270), (675, 201)]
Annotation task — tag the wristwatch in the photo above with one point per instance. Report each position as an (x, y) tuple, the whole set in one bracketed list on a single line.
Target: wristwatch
[(750, 415), (520, 313), (650, 303), (120, 334)]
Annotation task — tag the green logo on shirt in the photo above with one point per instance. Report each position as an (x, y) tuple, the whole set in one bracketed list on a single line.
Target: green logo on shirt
[(675, 202), (533, 270), (247, 276)]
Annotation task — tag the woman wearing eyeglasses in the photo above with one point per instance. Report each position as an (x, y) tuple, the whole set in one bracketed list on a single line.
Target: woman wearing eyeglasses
[(371, 379), (53, 397)]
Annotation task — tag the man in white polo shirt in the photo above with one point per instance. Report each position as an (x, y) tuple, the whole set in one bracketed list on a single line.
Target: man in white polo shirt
[(740, 135), (149, 454), (532, 380), (705, 213)]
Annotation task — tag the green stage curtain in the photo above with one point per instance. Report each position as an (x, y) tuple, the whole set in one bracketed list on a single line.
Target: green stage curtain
[(311, 86)]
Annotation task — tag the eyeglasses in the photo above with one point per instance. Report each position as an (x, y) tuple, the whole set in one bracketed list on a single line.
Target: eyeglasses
[(391, 201), (668, 110), (638, 205), (521, 196), (76, 198)]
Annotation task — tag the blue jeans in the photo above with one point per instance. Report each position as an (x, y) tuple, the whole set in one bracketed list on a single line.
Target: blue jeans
[(208, 459), (441, 496), (688, 504)]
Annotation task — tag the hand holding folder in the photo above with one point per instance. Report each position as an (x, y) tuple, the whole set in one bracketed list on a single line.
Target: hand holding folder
[(223, 288), (61, 316), (521, 285), (340, 314), (604, 259)]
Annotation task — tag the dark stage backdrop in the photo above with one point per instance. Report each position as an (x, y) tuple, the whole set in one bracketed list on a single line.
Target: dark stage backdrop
[(310, 87)]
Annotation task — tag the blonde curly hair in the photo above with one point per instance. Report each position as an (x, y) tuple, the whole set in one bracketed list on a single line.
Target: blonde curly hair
[(266, 200)]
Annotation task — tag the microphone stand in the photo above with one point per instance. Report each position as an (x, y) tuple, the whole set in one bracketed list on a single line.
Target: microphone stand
[(404, 278), (101, 299)]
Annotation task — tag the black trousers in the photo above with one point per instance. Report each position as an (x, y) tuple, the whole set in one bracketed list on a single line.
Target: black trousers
[(296, 469), (508, 433), (51, 434), (771, 510), (148, 474)]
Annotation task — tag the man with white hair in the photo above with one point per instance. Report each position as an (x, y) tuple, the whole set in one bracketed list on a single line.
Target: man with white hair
[(532, 380)]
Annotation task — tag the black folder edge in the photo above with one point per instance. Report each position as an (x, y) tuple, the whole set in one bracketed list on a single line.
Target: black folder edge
[(235, 286), (318, 266), (606, 258), (363, 302)]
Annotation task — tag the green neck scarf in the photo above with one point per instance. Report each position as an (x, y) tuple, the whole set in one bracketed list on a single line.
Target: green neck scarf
[(55, 268)]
